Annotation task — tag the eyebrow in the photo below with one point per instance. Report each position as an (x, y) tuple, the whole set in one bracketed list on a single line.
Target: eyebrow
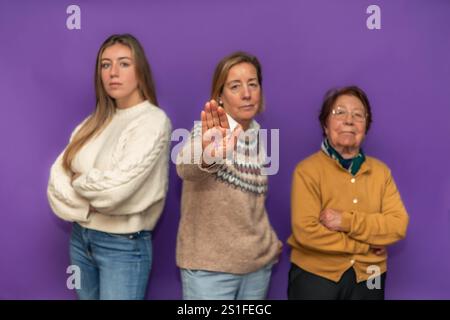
[(120, 58), (252, 79), (345, 107)]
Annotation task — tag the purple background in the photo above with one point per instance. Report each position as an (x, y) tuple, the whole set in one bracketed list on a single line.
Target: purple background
[(306, 47)]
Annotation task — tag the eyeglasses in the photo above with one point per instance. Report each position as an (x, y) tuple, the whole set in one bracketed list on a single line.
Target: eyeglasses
[(341, 114)]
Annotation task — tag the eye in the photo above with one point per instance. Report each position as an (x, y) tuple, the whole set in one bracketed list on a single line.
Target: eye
[(253, 85), (235, 87), (124, 64), (359, 114), (105, 65)]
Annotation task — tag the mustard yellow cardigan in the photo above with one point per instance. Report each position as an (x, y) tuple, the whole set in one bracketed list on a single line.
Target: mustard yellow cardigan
[(372, 214)]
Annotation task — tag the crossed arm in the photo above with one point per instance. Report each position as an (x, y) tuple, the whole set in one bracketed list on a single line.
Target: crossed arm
[(349, 232)]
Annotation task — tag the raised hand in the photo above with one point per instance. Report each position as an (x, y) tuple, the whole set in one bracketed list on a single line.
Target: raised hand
[(218, 142)]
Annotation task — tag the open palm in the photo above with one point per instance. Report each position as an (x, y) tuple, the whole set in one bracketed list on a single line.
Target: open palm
[(218, 142)]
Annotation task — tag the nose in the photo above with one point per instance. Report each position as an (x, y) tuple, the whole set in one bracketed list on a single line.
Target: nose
[(114, 71), (349, 119), (246, 93)]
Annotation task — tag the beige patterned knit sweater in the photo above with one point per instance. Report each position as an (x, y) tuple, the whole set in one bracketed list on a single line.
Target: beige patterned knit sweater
[(224, 225)]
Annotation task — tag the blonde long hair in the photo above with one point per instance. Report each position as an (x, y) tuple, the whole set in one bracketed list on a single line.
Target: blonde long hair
[(105, 105)]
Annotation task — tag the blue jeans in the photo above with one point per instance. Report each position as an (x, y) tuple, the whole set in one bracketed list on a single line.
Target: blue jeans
[(112, 266), (207, 285)]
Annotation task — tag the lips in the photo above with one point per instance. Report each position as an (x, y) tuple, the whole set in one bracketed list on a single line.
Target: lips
[(247, 107), (115, 84)]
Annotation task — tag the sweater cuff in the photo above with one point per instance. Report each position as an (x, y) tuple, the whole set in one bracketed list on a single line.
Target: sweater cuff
[(83, 181), (213, 168), (346, 221), (77, 183), (364, 248)]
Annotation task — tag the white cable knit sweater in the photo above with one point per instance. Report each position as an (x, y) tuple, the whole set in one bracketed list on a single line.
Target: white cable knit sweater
[(124, 174)]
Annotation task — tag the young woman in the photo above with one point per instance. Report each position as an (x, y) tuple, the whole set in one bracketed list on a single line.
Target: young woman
[(112, 178), (226, 246)]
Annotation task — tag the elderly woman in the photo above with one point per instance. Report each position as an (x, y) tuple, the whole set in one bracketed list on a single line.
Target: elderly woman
[(346, 209), (226, 245)]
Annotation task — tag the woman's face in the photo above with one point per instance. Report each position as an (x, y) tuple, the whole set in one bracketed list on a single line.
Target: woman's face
[(118, 74), (346, 124), (241, 94)]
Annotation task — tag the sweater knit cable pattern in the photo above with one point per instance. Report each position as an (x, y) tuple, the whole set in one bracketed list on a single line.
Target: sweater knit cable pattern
[(57, 184), (100, 180), (60, 192)]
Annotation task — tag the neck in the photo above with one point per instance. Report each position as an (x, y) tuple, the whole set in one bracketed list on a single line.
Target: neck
[(245, 124), (346, 152), (129, 101)]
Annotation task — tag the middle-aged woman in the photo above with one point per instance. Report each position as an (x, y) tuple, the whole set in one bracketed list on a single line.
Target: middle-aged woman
[(346, 209), (226, 246)]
